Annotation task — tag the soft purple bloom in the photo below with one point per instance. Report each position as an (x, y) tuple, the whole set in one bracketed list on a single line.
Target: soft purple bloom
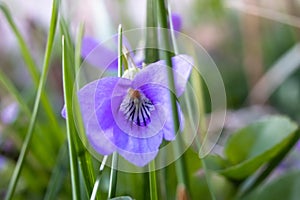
[(91, 49), (133, 116), (9, 114), (177, 22)]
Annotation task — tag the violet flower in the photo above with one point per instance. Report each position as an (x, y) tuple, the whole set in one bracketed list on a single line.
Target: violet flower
[(133, 114), (9, 113), (91, 49)]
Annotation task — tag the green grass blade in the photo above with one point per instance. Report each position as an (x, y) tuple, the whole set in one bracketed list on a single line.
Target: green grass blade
[(180, 164), (32, 67), (33, 70), (85, 158), (17, 170), (99, 176), (38, 149), (152, 178), (114, 172), (67, 85), (113, 177), (151, 54), (58, 174), (15, 93), (78, 47), (74, 59)]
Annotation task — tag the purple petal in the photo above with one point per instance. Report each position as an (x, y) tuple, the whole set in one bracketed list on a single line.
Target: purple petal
[(158, 119), (158, 94), (136, 150), (134, 144), (139, 151), (101, 141), (9, 114), (169, 129), (138, 159), (98, 139), (108, 86), (157, 73), (100, 89), (177, 22), (99, 55), (63, 112)]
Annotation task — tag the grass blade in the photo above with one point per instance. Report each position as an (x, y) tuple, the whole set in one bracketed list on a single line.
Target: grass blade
[(67, 85), (152, 178), (17, 170), (74, 59), (180, 163), (58, 175), (33, 70)]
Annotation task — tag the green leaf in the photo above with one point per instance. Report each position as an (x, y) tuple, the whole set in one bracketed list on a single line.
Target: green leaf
[(251, 147), (285, 187)]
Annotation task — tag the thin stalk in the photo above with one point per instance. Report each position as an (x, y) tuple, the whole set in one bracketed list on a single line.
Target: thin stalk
[(151, 52), (58, 174), (67, 86), (97, 183), (120, 47), (151, 55), (113, 177), (114, 172), (180, 163), (43, 78), (85, 160), (152, 178), (201, 139), (78, 47)]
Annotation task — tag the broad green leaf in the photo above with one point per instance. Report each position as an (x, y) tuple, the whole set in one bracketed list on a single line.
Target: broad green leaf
[(285, 187), (251, 147)]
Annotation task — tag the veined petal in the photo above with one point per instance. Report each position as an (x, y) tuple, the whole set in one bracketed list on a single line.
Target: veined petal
[(109, 114), (157, 73), (99, 55), (102, 93), (161, 95), (99, 140), (136, 150), (107, 87)]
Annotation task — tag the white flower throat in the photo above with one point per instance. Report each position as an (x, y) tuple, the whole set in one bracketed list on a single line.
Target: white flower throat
[(137, 107)]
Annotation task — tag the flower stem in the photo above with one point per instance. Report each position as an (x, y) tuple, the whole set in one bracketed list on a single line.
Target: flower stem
[(113, 176), (151, 52), (152, 178), (120, 47), (42, 81), (114, 172), (97, 183), (180, 163), (70, 128), (151, 55)]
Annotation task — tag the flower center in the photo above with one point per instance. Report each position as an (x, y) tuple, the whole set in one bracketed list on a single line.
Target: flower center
[(137, 107)]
